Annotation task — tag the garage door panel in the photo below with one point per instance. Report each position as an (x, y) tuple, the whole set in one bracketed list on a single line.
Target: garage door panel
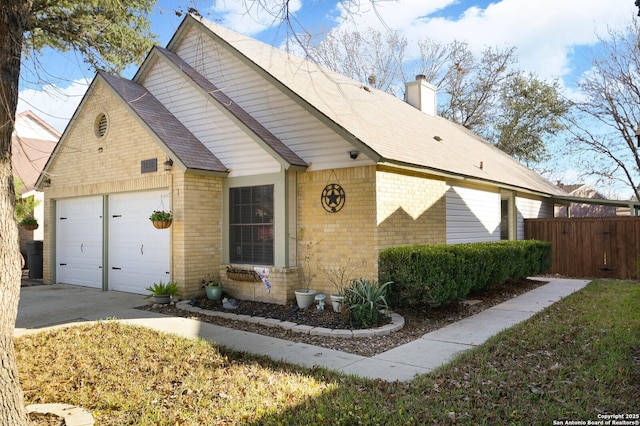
[(138, 252), (79, 241)]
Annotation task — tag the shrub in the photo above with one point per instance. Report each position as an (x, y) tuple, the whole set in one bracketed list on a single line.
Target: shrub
[(439, 275)]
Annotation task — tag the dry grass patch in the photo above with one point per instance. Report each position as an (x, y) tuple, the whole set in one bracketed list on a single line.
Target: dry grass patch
[(132, 375)]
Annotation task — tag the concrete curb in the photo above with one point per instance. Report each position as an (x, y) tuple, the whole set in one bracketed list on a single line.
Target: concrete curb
[(397, 322)]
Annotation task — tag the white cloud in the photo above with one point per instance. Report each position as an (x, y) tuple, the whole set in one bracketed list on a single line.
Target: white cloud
[(54, 104), (544, 31), (252, 17)]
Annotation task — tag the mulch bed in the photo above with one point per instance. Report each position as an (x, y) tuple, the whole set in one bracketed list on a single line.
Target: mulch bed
[(418, 321), (310, 316)]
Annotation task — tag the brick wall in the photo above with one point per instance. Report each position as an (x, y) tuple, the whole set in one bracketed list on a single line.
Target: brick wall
[(335, 237), (384, 208), (411, 208), (197, 231)]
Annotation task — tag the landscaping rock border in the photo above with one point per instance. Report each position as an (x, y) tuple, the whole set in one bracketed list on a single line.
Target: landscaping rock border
[(397, 322)]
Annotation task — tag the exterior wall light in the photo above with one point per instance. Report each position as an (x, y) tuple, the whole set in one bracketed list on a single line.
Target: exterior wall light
[(638, 136), (168, 165), (46, 183), (353, 154)]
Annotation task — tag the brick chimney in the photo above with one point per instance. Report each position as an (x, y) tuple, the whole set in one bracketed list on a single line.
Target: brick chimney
[(421, 95)]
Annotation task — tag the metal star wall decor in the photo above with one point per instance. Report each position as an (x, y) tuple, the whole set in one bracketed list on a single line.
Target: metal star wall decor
[(333, 198)]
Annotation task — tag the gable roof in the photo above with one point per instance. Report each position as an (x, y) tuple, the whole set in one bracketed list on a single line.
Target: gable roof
[(267, 139), (184, 146), (386, 128)]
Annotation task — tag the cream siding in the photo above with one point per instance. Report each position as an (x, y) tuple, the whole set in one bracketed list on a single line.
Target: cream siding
[(473, 215), (303, 133), (529, 208), (203, 117)]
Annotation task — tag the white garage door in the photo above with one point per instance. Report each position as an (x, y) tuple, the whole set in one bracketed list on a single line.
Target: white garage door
[(79, 241), (138, 252)]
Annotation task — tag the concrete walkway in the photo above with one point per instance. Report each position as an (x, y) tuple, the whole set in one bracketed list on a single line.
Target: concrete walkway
[(58, 305)]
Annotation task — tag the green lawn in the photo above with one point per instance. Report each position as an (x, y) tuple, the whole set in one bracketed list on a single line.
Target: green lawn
[(578, 358)]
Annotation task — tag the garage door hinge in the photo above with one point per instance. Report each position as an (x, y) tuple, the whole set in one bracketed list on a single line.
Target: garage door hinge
[(117, 215), (117, 269), (63, 218)]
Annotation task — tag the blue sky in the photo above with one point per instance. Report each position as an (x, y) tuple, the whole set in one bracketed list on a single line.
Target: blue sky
[(556, 39)]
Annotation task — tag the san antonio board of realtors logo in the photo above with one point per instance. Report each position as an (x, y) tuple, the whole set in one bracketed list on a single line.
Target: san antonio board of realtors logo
[(333, 198)]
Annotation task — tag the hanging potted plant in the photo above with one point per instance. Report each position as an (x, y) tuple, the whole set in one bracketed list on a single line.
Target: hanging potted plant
[(211, 288), (29, 223), (161, 219)]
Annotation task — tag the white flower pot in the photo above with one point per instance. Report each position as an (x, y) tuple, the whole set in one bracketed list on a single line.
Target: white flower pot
[(336, 302), (305, 298)]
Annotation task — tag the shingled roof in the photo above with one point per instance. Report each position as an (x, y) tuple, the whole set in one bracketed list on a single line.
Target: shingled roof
[(169, 130), (393, 130)]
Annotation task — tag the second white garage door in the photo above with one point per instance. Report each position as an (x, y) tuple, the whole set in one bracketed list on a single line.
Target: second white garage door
[(139, 254)]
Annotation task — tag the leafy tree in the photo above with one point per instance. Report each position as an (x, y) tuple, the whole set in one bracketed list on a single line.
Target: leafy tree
[(109, 34), (24, 206), (531, 111), (603, 127), (473, 86)]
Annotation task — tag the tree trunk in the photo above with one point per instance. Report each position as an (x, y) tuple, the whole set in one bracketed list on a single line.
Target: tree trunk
[(13, 18)]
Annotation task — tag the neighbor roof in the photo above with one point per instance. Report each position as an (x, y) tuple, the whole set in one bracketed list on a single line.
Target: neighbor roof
[(394, 131), (30, 154)]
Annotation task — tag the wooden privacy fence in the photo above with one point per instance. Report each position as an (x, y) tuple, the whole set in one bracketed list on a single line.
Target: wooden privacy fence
[(604, 247)]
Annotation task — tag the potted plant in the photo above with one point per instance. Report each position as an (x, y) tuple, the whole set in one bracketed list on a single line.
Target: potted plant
[(211, 288), (340, 277), (29, 223), (161, 219), (305, 296), (162, 292)]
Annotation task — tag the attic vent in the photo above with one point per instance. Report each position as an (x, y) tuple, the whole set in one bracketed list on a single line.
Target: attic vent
[(101, 125)]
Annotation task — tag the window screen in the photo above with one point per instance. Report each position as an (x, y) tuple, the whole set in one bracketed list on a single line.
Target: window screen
[(251, 224)]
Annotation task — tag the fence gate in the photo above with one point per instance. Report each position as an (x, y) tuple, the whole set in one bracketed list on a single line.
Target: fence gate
[(605, 247)]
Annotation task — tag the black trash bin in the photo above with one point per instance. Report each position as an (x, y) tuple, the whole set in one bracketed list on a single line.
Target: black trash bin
[(34, 258)]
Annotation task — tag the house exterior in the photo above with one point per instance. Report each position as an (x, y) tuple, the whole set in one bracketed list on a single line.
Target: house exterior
[(267, 161), (573, 209), (32, 142)]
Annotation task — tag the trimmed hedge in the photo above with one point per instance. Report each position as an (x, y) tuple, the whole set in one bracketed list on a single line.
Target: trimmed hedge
[(439, 275)]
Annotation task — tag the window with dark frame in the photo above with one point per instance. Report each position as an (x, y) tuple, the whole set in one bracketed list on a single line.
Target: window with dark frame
[(251, 225)]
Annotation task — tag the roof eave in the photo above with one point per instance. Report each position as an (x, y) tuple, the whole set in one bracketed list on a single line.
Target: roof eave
[(464, 178)]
